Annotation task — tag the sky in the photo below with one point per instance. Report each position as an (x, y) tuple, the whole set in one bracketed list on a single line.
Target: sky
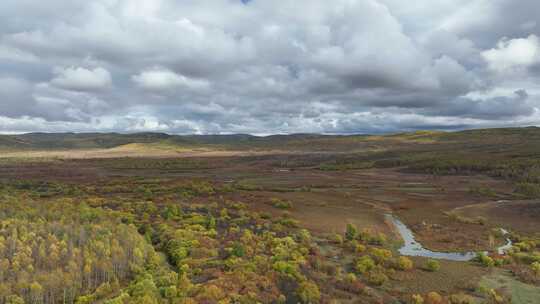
[(266, 66)]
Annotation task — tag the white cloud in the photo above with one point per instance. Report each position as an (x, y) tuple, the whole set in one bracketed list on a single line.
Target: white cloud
[(514, 54), (159, 79), (81, 79), (10, 53)]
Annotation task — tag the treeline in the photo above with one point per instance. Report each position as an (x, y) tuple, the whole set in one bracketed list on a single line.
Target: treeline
[(516, 164), (524, 172)]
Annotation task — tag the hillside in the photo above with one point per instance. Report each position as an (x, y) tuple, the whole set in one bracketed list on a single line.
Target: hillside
[(514, 139)]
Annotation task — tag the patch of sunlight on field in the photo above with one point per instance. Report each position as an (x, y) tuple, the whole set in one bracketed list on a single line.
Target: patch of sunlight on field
[(142, 147), (127, 150), (521, 293)]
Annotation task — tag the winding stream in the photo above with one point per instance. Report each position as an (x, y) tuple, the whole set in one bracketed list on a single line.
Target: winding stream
[(503, 249), (413, 248)]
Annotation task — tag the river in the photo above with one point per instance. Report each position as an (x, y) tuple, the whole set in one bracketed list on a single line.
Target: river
[(413, 248)]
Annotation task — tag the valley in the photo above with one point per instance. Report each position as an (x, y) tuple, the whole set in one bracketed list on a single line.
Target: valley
[(273, 220)]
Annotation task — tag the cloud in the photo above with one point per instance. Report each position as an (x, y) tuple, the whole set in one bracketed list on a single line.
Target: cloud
[(444, 43), (81, 79), (514, 54), (490, 109), (15, 96), (14, 54), (160, 80), (268, 66)]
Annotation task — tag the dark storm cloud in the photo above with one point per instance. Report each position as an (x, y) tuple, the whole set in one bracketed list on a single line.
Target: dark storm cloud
[(262, 67), (496, 108)]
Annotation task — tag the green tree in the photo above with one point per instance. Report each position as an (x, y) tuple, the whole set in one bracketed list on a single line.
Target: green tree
[(536, 268), (404, 263), (309, 292), (377, 276), (485, 260), (381, 255), (433, 265), (14, 300), (238, 249), (364, 264), (351, 232)]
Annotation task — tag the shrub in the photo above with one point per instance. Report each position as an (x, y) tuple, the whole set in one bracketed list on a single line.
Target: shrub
[(350, 277), (281, 204), (485, 260), (285, 268), (529, 190), (377, 277), (523, 246), (379, 239), (330, 269), (238, 250), (499, 262), (14, 300), (381, 255), (364, 264), (352, 284), (433, 298), (169, 292), (536, 268), (495, 297), (404, 263), (460, 299), (417, 299), (360, 248), (351, 233), (482, 191), (479, 220), (304, 237), (308, 292), (527, 258), (211, 294), (288, 222), (338, 239), (433, 265)]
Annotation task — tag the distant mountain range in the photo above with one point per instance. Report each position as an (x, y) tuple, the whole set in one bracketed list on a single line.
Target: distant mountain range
[(56, 141), (110, 140)]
